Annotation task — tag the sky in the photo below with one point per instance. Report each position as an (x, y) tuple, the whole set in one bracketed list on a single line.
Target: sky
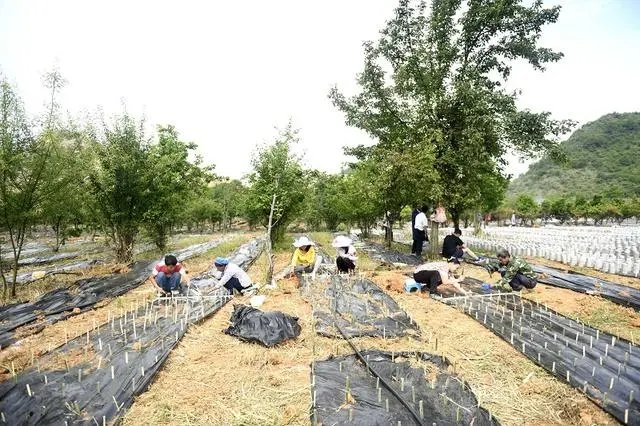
[(226, 74)]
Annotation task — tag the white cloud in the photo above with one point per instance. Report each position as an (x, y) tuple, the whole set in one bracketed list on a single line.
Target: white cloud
[(226, 73)]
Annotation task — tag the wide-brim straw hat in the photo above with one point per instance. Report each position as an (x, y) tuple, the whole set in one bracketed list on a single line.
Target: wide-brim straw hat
[(341, 241), (303, 241)]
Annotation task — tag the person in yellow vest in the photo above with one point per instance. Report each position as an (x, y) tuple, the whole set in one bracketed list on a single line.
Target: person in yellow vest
[(305, 259)]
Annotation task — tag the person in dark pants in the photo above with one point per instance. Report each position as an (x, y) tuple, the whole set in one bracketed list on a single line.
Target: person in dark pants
[(419, 231), (414, 213), (453, 247), (168, 274), (346, 258), (231, 276), (515, 272), (431, 275)]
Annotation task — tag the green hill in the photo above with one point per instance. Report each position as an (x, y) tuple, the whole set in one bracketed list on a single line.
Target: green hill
[(601, 154)]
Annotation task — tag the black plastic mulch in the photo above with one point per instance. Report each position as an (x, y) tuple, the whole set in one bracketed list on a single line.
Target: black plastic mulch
[(360, 308), (113, 363), (603, 367), (344, 391), (81, 296)]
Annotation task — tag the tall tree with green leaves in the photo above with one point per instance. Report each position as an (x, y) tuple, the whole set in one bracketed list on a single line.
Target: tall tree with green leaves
[(120, 181), (29, 171), (229, 196), (436, 77), (173, 176), (277, 170)]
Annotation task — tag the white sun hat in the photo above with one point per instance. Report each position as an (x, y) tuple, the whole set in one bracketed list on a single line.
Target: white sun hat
[(303, 241), (341, 241)]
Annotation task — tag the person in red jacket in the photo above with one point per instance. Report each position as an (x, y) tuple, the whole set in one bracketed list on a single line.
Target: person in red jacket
[(168, 274)]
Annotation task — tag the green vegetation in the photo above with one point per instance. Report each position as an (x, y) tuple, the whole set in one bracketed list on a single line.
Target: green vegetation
[(431, 94), (602, 156)]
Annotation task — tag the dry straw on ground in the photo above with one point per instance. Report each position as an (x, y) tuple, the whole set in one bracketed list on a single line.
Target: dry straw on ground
[(214, 379)]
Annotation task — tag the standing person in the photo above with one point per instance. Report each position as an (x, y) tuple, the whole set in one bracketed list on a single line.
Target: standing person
[(346, 259), (453, 247), (305, 258), (514, 271), (420, 231), (414, 213), (231, 276), (431, 275), (168, 274), (513, 219)]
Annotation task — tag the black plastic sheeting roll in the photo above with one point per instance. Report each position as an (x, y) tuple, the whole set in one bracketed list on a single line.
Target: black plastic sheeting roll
[(344, 391), (617, 293), (360, 308), (267, 328), (63, 303), (605, 368), (118, 360)]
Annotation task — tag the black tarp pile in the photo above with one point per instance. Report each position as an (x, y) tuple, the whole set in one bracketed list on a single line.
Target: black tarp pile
[(267, 328), (617, 293), (605, 368), (344, 391), (62, 303), (93, 378), (359, 307)]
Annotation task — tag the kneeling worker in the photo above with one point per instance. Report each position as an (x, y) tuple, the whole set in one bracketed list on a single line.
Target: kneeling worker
[(453, 247), (514, 271), (432, 274), (231, 276), (305, 259), (168, 274)]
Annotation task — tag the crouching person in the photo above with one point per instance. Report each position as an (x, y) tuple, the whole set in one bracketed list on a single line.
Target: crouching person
[(515, 272), (232, 277), (346, 256), (168, 274), (430, 275), (305, 259)]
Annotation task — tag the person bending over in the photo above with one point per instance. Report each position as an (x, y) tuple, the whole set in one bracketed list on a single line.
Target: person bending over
[(453, 247), (514, 271), (430, 275), (346, 256), (168, 274), (231, 276)]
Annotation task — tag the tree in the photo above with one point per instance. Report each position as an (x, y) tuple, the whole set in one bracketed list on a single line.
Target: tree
[(27, 167), (437, 80), (579, 209), (360, 203), (172, 178), (120, 181), (277, 170), (546, 212), (561, 209), (66, 200), (526, 208), (229, 197)]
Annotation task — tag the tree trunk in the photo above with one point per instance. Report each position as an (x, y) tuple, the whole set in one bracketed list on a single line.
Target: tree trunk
[(388, 233), (269, 278), (434, 243), (455, 217)]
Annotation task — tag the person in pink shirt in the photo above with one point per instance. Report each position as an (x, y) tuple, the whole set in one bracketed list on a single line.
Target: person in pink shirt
[(430, 275)]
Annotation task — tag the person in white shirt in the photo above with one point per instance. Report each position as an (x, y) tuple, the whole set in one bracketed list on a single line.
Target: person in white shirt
[(231, 276), (346, 259), (420, 231)]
